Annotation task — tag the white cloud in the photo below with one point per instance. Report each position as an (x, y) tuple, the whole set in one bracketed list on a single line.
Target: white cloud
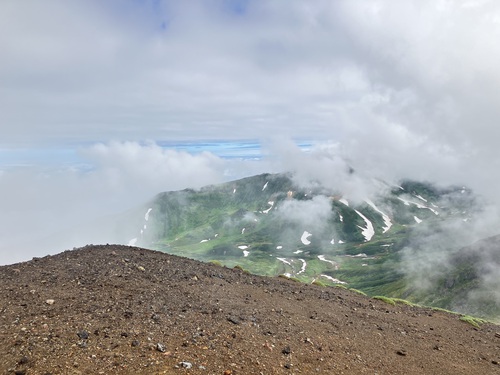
[(37, 204), (403, 89)]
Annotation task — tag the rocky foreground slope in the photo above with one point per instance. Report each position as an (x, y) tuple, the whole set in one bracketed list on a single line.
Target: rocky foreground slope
[(124, 310)]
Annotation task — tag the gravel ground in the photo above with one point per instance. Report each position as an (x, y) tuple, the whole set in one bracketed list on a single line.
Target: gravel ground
[(125, 310)]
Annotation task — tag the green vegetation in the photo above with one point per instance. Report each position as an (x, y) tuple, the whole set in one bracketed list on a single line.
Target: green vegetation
[(358, 291), (388, 300), (476, 322), (216, 262), (257, 225), (318, 283)]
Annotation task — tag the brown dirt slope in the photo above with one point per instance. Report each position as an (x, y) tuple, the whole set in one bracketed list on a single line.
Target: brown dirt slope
[(124, 310)]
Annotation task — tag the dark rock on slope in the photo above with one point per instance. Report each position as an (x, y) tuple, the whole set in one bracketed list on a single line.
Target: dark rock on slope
[(118, 309)]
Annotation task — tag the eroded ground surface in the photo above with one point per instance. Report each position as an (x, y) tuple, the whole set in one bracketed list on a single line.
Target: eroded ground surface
[(117, 309)]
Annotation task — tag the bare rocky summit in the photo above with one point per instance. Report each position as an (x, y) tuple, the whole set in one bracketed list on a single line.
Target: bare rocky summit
[(124, 310)]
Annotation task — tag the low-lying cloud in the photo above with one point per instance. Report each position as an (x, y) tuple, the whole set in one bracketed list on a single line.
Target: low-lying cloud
[(38, 202)]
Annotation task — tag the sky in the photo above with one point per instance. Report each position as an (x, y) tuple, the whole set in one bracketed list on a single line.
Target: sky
[(106, 102)]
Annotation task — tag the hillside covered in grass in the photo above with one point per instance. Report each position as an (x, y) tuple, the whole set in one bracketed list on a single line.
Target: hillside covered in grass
[(269, 225)]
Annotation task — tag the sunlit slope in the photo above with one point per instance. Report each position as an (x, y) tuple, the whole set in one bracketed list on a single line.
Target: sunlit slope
[(268, 225)]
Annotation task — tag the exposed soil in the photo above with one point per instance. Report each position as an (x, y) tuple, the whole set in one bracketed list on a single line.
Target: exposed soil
[(124, 310)]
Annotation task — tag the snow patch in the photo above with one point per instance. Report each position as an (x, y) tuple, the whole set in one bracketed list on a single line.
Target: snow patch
[(269, 209), (284, 261), (204, 241), (246, 253), (341, 218), (344, 201), (367, 232), (146, 216), (279, 247), (332, 241), (417, 219), (298, 251), (303, 268), (387, 219), (243, 247), (333, 263), (132, 242), (407, 203), (340, 241), (304, 237), (420, 197), (334, 280), (243, 230), (265, 186)]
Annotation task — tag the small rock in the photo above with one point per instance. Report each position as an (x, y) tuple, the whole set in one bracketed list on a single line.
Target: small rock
[(187, 365), (141, 268), (288, 365), (84, 335), (233, 320), (161, 348), (23, 360), (135, 343), (401, 352), (227, 372), (50, 301), (286, 350)]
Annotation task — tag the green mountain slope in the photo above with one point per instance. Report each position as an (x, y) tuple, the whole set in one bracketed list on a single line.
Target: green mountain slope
[(269, 226)]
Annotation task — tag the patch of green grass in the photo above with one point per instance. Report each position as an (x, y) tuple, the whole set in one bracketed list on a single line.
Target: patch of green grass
[(405, 302), (340, 286), (358, 291), (388, 300), (444, 310), (216, 262), (476, 322), (238, 267), (318, 283), (289, 278)]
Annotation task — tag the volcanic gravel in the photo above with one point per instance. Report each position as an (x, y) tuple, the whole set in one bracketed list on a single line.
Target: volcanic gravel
[(124, 310)]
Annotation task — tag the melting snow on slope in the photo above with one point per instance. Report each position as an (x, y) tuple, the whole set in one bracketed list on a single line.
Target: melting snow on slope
[(341, 218), (265, 186), (246, 253), (332, 241), (298, 251), (334, 280), (279, 247), (204, 241), (367, 232), (146, 216), (234, 190), (342, 200), (417, 219), (304, 237), (340, 241), (243, 247), (407, 203), (420, 197), (269, 209), (335, 264), (284, 261), (303, 268), (243, 230), (387, 219)]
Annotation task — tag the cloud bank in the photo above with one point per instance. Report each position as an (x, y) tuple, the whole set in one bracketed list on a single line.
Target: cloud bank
[(39, 203)]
